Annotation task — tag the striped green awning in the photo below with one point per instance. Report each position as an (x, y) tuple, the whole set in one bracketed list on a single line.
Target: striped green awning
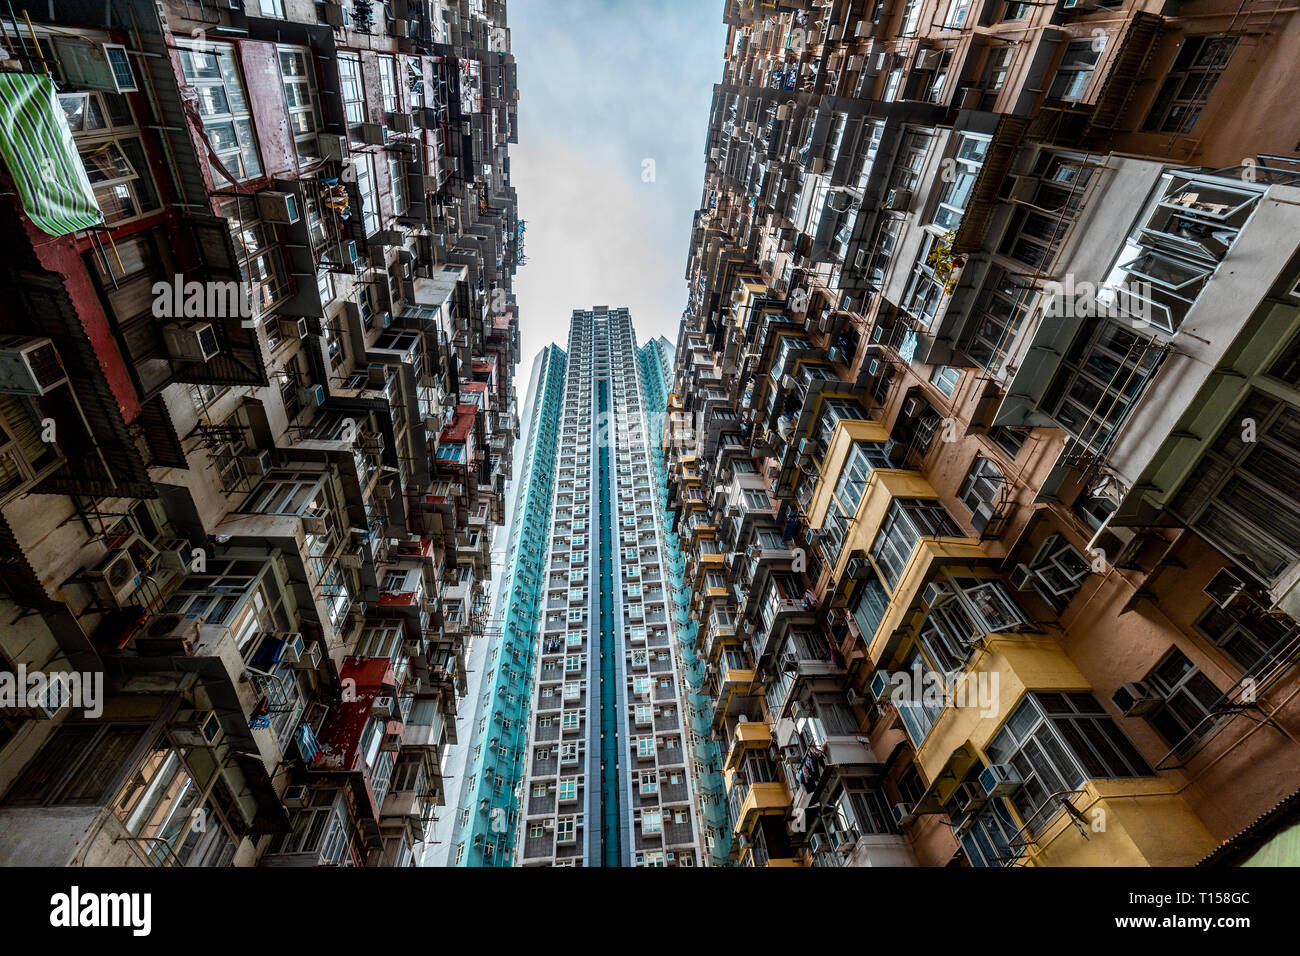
[(42, 157)]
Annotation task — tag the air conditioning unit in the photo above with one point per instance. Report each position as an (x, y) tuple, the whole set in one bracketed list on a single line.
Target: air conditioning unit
[(296, 797), (332, 146), (851, 696), (382, 707), (1080, 6), (167, 634), (1137, 699), (30, 367), (835, 355), (875, 366), (927, 59), (256, 465), (333, 15), (401, 122), (903, 814), (313, 521), (936, 593), (968, 796), (372, 134), (1021, 576), (999, 780), (174, 554), (294, 646), (294, 328), (280, 207), (912, 407), (202, 730), (191, 341), (372, 444), (116, 577), (898, 200), (882, 685), (311, 395), (351, 559)]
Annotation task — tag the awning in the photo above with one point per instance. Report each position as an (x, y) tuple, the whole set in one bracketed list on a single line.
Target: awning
[(37, 147)]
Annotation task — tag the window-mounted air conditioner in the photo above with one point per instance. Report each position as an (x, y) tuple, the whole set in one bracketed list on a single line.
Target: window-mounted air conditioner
[(256, 465), (191, 341), (203, 730), (30, 367), (311, 395), (999, 780), (898, 200), (1137, 699), (278, 207), (294, 328), (372, 134)]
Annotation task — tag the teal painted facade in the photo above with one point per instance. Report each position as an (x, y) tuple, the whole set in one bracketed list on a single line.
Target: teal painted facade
[(656, 361), (486, 820)]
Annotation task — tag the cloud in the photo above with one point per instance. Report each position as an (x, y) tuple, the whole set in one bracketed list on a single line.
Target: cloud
[(605, 86)]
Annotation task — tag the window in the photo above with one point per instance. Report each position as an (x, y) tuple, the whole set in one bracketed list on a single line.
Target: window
[(980, 491), (1101, 377), (1246, 632), (23, 455), (919, 702), (1036, 230), (568, 788), (649, 782), (354, 99), (108, 142), (1075, 71), (907, 521), (1190, 81), (1189, 698), (298, 80), (945, 379), (966, 162), (957, 14), (1242, 494), (364, 166), (388, 82), (79, 766), (966, 610), (227, 122), (1056, 742), (651, 822), (1010, 440), (1058, 571), (999, 313), (160, 803), (397, 176), (257, 246)]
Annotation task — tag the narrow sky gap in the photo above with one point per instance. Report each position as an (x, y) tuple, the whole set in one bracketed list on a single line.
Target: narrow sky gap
[(604, 86)]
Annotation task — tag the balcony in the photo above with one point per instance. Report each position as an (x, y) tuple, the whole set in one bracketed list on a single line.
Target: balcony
[(748, 735), (733, 685), (749, 801)]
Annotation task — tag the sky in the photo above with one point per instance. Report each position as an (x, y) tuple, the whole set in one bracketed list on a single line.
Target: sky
[(605, 86)]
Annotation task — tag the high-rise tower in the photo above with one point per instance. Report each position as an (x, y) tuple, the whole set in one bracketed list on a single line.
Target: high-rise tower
[(608, 775)]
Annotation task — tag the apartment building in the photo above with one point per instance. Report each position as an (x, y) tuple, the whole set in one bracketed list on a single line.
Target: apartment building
[(607, 773), (983, 431), (257, 415)]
